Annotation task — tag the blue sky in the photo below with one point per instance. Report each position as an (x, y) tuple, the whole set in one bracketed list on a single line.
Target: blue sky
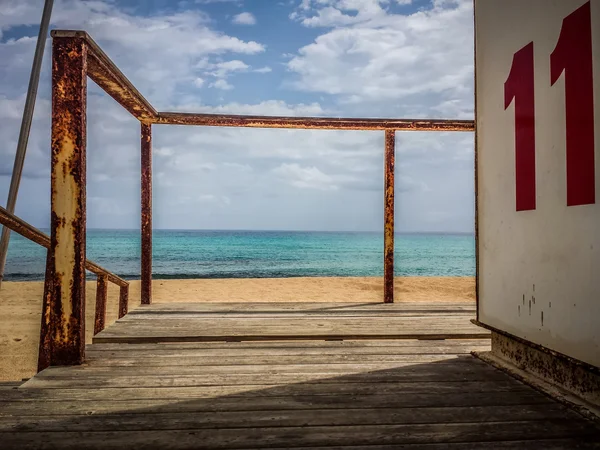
[(362, 58)]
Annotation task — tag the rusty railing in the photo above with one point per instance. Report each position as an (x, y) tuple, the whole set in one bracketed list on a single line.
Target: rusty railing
[(75, 56), (49, 334)]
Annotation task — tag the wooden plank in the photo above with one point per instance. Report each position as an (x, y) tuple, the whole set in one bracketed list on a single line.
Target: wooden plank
[(305, 306), (418, 381), (213, 399), (148, 420), (134, 339), (249, 320), (361, 323), (181, 359), (395, 370), (166, 329), (170, 315), (307, 436), (439, 319), (455, 346), (326, 345)]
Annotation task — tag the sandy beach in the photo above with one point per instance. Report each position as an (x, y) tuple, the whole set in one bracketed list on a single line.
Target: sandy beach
[(20, 303)]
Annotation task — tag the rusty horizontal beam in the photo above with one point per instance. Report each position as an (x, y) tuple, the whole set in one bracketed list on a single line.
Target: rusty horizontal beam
[(28, 231), (315, 123), (107, 75)]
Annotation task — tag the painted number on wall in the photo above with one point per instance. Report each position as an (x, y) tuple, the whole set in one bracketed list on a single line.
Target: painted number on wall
[(573, 57)]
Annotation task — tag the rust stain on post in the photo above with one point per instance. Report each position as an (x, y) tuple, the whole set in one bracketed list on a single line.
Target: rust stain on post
[(68, 221), (123, 300), (146, 144), (101, 295), (388, 237), (45, 347)]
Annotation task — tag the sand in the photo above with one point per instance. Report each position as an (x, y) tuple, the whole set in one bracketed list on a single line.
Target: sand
[(20, 303)]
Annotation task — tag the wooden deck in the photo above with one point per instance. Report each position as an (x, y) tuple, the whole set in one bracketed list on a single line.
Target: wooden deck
[(298, 321), (153, 380)]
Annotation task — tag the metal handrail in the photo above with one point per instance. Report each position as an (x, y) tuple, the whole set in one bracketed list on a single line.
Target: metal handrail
[(28, 231)]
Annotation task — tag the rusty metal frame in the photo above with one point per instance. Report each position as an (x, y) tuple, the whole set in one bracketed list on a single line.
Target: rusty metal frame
[(75, 57), (312, 123)]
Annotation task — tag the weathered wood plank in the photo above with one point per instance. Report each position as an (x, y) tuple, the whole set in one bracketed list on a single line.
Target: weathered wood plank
[(307, 306), (418, 381), (235, 398), (203, 329), (301, 394), (271, 315), (181, 359), (232, 438), (340, 372), (183, 337), (327, 345), (148, 420)]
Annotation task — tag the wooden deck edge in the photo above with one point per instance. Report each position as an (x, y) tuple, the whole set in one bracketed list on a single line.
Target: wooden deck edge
[(99, 339)]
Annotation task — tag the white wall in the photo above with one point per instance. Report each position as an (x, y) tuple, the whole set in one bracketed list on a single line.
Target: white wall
[(550, 254)]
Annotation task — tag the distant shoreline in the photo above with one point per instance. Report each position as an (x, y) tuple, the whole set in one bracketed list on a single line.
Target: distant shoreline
[(24, 278), (219, 254)]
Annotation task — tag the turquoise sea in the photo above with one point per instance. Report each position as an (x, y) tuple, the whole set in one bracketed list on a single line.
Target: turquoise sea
[(251, 254)]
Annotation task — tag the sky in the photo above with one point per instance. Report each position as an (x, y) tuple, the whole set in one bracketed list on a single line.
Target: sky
[(340, 58)]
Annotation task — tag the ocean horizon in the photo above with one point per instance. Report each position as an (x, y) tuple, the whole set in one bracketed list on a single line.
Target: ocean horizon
[(188, 254)]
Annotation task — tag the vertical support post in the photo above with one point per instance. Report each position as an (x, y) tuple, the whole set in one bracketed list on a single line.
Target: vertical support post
[(146, 147), (388, 235), (68, 205), (123, 300), (101, 295), (45, 348)]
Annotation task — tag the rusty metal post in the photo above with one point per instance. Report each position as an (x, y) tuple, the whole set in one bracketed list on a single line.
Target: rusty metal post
[(146, 287), (123, 300), (68, 205), (388, 236), (101, 295), (45, 346)]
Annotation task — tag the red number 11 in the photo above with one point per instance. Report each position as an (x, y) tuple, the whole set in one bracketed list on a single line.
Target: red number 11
[(573, 56)]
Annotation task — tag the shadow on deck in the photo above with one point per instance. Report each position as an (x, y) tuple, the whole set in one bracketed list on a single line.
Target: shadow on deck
[(309, 393)]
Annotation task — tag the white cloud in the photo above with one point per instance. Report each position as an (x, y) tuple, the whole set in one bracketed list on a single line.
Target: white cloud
[(305, 177), (265, 69), (222, 84), (198, 82), (157, 53), (244, 18), (223, 69), (372, 55)]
